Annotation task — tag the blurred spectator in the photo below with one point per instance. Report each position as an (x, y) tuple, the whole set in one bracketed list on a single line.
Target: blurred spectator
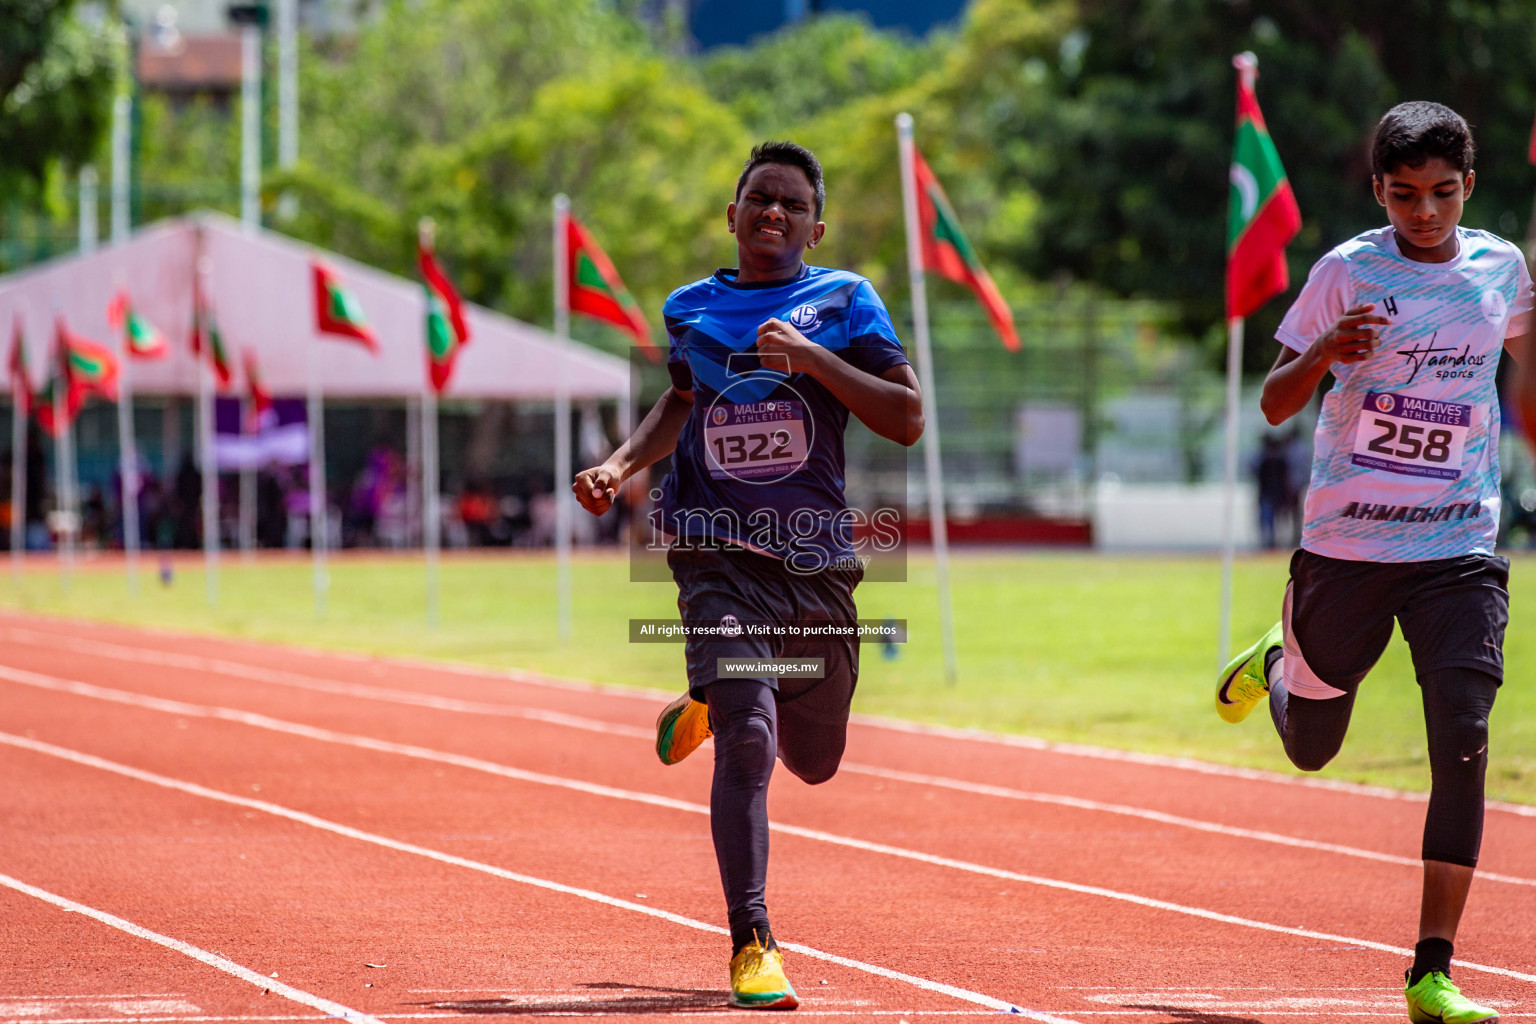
[(374, 488), (477, 510), (186, 506), (1277, 488)]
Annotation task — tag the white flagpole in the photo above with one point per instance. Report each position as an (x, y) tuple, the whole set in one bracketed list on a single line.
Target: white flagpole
[(563, 495), (318, 527), (65, 471), (247, 481), (931, 465), (431, 505), (1229, 487), (128, 466), (210, 473), (431, 539), (19, 388)]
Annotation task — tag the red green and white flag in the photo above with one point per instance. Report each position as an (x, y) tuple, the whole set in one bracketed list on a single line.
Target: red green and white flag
[(447, 330), (47, 413), (89, 366), (261, 398), (140, 339), (337, 310), (948, 252), (1262, 214), (206, 335), (595, 289), (21, 380)]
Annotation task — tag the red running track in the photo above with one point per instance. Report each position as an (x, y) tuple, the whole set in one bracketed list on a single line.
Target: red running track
[(206, 831)]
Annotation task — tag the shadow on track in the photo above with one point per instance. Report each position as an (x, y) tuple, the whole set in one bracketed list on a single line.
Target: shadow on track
[(1181, 1013), (632, 999)]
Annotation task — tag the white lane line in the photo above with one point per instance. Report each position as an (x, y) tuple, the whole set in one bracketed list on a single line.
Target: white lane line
[(303, 818), (671, 803), (29, 678), (256, 673), (277, 677), (203, 956), (1006, 793)]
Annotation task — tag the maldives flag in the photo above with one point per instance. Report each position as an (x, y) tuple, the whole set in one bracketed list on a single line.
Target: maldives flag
[(1262, 215), (21, 380), (46, 411), (205, 334), (140, 339), (336, 311), (595, 289), (261, 398), (948, 252), (89, 366), (447, 331)]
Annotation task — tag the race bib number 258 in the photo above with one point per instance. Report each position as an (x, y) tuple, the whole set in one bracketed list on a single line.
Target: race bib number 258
[(1412, 436)]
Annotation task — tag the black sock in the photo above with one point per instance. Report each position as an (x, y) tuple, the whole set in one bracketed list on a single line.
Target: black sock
[(752, 933), (1271, 656), (1430, 955)]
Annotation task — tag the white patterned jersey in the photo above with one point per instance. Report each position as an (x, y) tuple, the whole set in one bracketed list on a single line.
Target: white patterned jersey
[(1405, 466)]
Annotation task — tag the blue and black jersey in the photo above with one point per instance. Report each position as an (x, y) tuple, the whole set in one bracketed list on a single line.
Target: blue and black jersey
[(760, 461)]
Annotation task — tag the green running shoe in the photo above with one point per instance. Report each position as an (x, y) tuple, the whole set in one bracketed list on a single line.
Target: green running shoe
[(1434, 1000), (1244, 682)]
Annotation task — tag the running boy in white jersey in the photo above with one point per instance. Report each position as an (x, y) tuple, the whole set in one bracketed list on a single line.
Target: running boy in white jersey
[(1404, 504)]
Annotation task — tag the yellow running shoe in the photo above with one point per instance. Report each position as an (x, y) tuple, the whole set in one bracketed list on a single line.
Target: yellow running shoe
[(758, 981), (683, 725), (1434, 1000), (1244, 682)]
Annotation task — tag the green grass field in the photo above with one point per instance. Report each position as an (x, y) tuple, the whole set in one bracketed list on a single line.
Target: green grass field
[(1115, 651)]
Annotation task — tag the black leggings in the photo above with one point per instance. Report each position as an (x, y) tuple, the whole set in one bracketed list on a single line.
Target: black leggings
[(751, 727), (1456, 706)]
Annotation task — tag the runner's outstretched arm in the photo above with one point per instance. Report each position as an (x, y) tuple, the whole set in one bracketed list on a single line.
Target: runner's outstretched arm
[(1294, 378), (890, 404), (653, 440), (1522, 348)]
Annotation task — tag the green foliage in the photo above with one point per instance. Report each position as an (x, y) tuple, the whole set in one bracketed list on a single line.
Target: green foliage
[(1082, 140), (57, 74), (1138, 143), (811, 68), (195, 151)]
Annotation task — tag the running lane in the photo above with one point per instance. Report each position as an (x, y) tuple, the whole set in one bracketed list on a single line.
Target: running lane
[(1062, 951)]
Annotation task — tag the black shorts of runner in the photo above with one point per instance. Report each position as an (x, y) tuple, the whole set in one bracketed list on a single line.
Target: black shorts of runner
[(761, 608), (1453, 613)]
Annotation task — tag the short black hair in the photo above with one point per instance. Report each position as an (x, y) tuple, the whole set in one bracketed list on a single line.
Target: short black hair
[(791, 155), (1412, 133)]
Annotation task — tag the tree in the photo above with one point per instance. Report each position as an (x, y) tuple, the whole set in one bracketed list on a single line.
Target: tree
[(1131, 164), (57, 73)]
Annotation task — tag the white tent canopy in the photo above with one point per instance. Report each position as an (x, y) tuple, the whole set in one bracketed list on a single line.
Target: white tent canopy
[(260, 289)]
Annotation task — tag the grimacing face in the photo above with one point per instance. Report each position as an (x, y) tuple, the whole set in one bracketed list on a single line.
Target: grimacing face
[(774, 220), (1424, 205)]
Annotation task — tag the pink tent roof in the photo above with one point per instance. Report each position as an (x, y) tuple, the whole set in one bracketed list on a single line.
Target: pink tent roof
[(259, 287)]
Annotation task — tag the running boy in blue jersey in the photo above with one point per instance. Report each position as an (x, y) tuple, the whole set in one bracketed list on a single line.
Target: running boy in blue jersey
[(766, 361), (1404, 504)]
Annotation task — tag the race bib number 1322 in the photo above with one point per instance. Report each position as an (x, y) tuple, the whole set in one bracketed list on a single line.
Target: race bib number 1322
[(1412, 436), (755, 439)]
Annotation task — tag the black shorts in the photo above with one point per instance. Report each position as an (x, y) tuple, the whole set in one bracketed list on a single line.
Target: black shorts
[(1338, 617), (745, 590)]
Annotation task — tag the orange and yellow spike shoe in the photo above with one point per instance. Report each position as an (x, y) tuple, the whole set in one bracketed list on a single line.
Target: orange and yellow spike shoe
[(683, 725), (758, 981)]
